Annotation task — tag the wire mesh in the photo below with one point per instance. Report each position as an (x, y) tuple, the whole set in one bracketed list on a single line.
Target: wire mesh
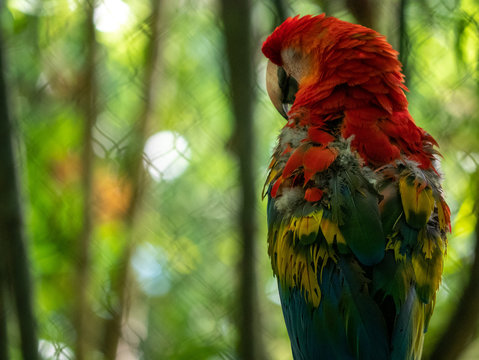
[(182, 302)]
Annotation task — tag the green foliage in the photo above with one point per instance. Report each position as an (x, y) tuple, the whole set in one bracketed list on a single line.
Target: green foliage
[(185, 259)]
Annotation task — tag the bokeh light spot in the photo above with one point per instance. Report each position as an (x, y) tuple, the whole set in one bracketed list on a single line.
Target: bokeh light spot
[(149, 264), (111, 15), (54, 351), (167, 155)]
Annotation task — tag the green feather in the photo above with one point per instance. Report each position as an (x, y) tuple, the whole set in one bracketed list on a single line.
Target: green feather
[(337, 200), (405, 346), (393, 277), (362, 228), (354, 207), (365, 324), (390, 208), (409, 236)]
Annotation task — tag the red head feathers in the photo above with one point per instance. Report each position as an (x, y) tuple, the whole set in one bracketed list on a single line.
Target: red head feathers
[(350, 73)]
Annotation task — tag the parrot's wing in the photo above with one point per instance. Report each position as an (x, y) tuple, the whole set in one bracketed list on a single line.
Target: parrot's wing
[(361, 277), (318, 253), (415, 220)]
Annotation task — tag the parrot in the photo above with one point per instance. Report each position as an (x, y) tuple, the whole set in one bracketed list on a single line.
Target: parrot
[(356, 214)]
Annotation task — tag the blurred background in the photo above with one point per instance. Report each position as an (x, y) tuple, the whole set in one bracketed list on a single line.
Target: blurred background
[(142, 134)]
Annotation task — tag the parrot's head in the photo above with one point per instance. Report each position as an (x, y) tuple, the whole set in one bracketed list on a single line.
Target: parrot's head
[(327, 66)]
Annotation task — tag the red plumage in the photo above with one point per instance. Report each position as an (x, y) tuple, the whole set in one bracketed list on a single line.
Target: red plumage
[(355, 73), (313, 194), (294, 161), (318, 158), (319, 136)]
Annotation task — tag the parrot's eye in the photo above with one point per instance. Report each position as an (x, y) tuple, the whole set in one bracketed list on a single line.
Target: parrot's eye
[(288, 86), (282, 77)]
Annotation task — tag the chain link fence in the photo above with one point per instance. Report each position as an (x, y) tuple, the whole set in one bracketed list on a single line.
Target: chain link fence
[(171, 276)]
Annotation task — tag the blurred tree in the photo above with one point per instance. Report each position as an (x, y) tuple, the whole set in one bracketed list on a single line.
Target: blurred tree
[(236, 16), (88, 106), (3, 316), (365, 12), (14, 262), (136, 177), (281, 11), (403, 38)]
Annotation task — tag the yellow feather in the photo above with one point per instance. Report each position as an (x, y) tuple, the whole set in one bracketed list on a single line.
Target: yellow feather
[(418, 316), (306, 228), (428, 246), (395, 245), (331, 232), (296, 264), (417, 201), (428, 264), (441, 215)]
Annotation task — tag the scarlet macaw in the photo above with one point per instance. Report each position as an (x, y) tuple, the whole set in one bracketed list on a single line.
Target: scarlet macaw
[(357, 220)]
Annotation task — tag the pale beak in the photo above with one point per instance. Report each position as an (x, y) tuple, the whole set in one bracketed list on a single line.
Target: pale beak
[(273, 88)]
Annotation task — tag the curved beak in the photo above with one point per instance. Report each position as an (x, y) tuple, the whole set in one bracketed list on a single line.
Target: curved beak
[(282, 88), (274, 91)]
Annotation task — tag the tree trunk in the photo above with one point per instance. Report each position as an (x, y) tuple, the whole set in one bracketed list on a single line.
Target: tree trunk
[(365, 12), (403, 38), (90, 113), (134, 167), (15, 269), (3, 314), (281, 12), (237, 30)]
